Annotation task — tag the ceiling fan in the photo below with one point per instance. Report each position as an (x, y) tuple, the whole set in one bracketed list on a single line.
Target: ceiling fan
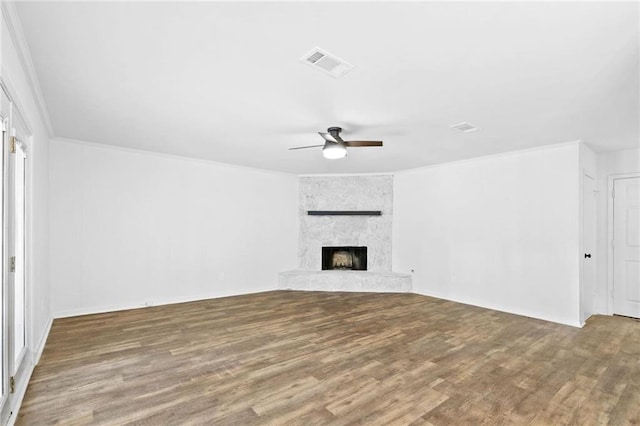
[(334, 146)]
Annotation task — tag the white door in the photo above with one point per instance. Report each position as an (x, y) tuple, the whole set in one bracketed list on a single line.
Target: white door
[(626, 247), (587, 285)]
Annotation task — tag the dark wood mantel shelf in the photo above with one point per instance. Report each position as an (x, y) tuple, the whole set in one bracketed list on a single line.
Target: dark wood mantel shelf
[(344, 212)]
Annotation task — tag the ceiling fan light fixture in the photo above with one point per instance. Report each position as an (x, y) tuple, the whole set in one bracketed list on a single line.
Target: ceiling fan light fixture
[(335, 147), (334, 151)]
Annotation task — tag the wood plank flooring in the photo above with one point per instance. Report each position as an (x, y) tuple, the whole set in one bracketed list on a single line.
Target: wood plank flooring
[(311, 358)]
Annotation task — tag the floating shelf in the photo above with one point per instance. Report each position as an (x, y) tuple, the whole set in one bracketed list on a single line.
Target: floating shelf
[(344, 213)]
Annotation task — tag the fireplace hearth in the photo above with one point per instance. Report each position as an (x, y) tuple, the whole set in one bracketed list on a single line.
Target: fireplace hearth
[(344, 258)]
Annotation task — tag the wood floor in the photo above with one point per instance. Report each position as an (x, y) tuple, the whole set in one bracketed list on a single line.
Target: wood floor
[(311, 358)]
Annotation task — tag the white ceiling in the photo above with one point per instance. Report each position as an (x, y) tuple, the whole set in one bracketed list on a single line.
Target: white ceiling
[(223, 81)]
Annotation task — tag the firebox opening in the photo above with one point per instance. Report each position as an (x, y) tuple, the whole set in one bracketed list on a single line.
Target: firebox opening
[(344, 258)]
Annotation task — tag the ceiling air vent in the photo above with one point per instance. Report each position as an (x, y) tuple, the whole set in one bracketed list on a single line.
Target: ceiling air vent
[(327, 63), (464, 127)]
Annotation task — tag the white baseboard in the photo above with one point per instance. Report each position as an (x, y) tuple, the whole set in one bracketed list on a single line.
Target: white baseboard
[(37, 352), (501, 308), (31, 362), (147, 304), (20, 393)]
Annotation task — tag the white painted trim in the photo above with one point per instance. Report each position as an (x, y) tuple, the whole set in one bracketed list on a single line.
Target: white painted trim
[(492, 156), (171, 156), (24, 375), (533, 315), (610, 182), (37, 353), (14, 26), (239, 167), (149, 304), (4, 243), (7, 86), (345, 174), (19, 395), (586, 173), (171, 301), (24, 384)]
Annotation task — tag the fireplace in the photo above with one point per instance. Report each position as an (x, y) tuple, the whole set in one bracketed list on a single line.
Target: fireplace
[(344, 258)]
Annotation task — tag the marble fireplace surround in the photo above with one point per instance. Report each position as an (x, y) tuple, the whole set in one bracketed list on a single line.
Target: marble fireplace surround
[(345, 193)]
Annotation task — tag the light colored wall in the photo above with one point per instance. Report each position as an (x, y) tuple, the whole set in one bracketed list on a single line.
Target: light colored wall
[(38, 286), (609, 164), (131, 228), (500, 232), (366, 192)]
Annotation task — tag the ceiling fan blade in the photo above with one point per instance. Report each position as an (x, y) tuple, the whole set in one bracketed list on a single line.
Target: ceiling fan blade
[(363, 143), (305, 147), (327, 137)]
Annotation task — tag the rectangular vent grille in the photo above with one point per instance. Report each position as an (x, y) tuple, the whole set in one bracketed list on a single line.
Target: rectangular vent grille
[(315, 57), (464, 127), (327, 62)]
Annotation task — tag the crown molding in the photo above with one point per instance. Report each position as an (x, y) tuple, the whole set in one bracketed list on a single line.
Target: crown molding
[(514, 153), (14, 26), (171, 156)]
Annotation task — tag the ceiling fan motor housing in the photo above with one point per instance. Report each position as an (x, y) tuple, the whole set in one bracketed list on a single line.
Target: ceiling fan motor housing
[(334, 131)]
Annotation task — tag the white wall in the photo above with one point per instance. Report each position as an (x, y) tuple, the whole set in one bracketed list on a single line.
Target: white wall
[(14, 77), (132, 228), (609, 164), (500, 232)]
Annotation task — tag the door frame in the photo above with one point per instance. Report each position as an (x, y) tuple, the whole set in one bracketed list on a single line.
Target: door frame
[(18, 367), (611, 180), (5, 400), (23, 374), (587, 173)]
